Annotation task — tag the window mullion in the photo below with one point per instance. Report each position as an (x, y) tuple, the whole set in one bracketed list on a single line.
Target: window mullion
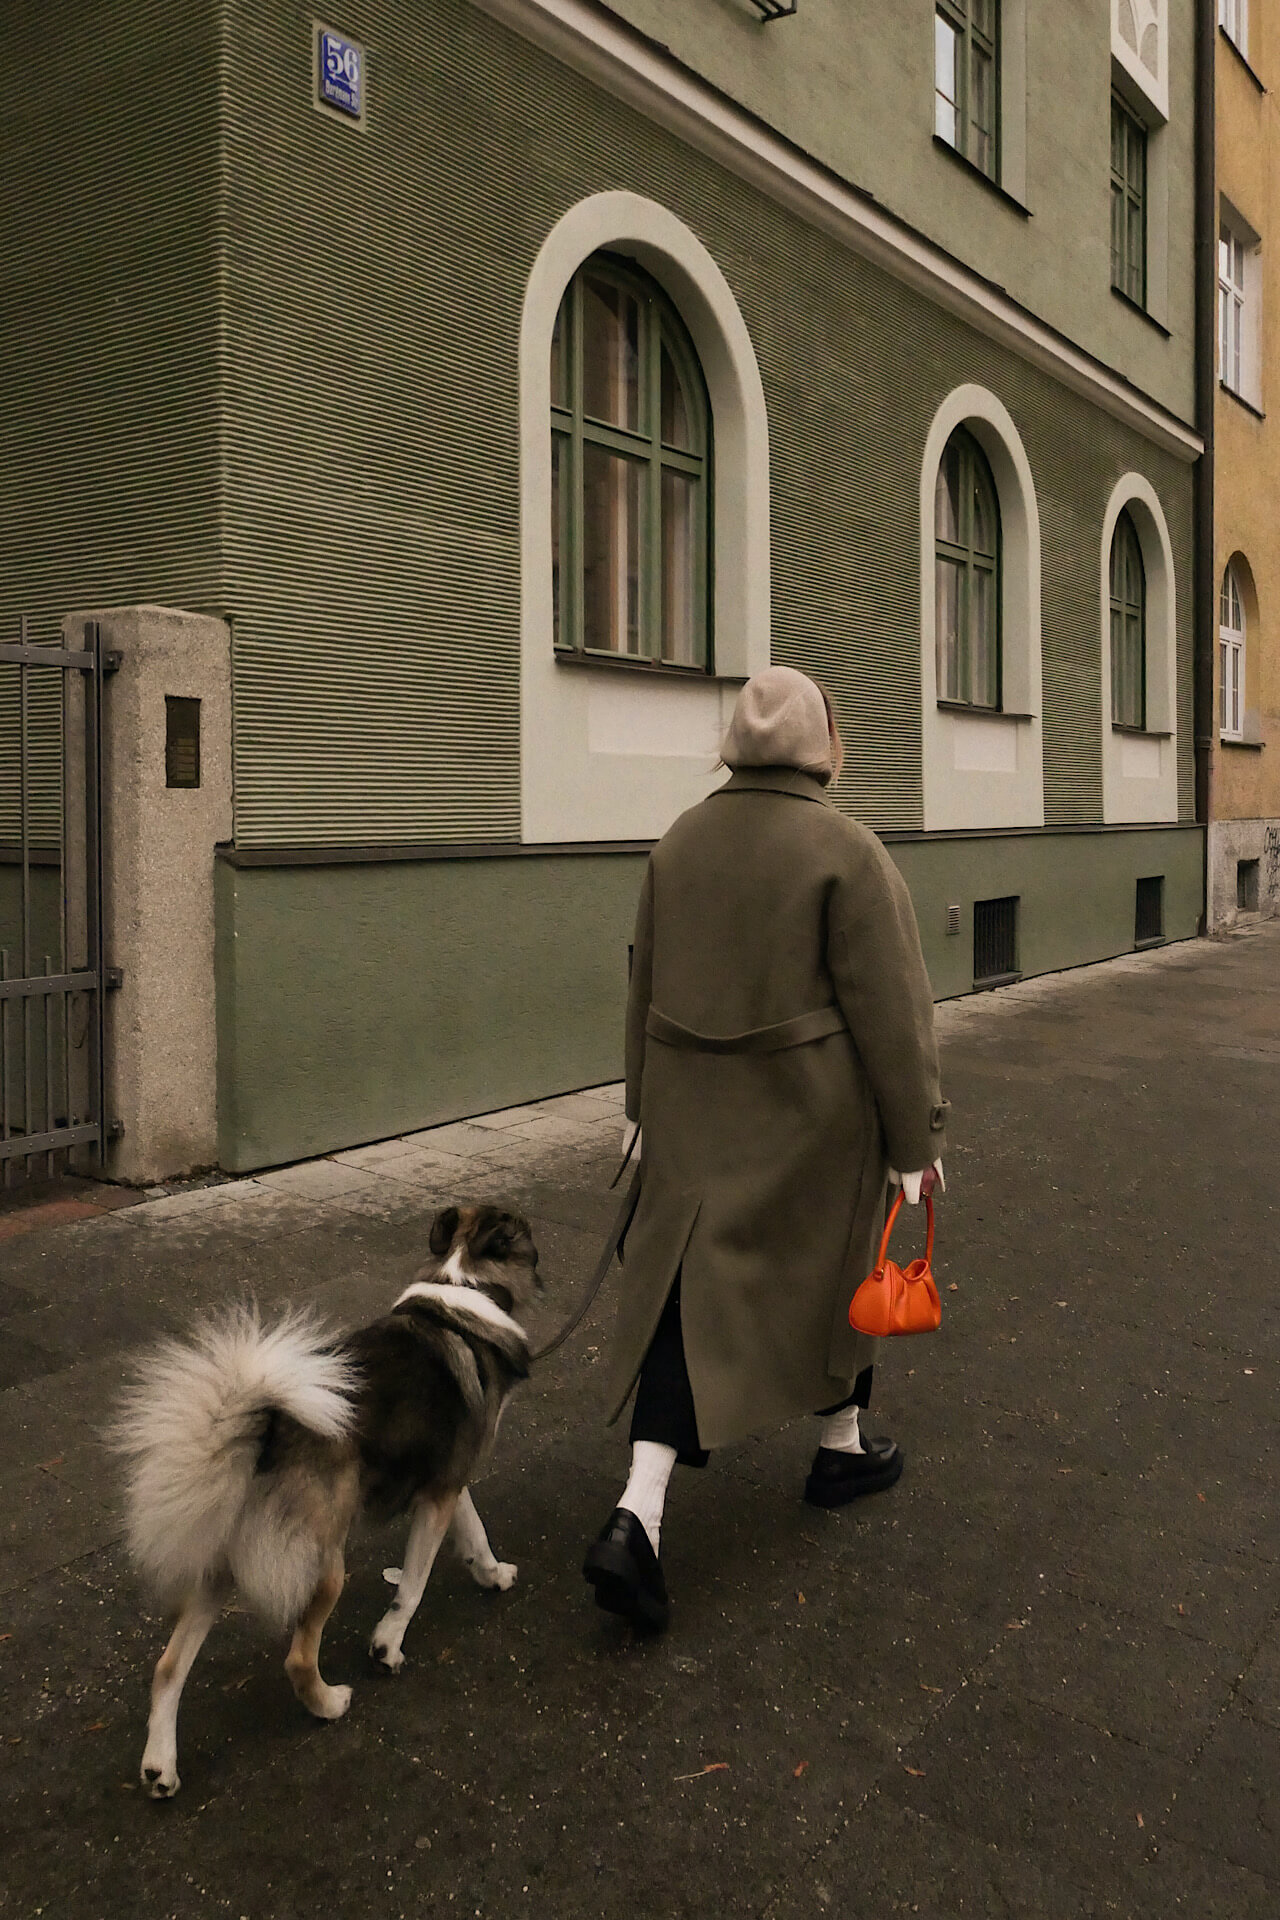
[(651, 421), (576, 517)]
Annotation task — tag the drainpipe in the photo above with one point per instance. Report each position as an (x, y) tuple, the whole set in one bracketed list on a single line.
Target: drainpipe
[(1205, 586)]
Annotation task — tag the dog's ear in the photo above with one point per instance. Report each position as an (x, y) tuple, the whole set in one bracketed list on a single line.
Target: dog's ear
[(443, 1228), (503, 1236)]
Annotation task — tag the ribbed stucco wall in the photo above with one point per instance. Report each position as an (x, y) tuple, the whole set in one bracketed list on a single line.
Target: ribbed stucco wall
[(375, 286), (109, 464), (108, 421)]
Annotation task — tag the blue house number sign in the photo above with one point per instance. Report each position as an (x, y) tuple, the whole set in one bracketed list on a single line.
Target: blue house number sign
[(341, 73)]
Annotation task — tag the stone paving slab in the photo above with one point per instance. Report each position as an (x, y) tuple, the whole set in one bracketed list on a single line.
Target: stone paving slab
[(1041, 1678)]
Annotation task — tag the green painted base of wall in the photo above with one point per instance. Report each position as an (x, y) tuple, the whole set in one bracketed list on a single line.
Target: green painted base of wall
[(357, 1002), (1076, 894)]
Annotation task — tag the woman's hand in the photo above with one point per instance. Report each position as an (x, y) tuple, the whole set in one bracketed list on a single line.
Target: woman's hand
[(919, 1185)]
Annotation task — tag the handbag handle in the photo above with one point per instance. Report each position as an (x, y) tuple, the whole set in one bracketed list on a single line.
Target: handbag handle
[(888, 1229)]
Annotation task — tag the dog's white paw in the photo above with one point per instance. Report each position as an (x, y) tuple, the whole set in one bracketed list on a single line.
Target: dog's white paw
[(393, 1575), (500, 1576), (329, 1703), (160, 1777), (386, 1651)]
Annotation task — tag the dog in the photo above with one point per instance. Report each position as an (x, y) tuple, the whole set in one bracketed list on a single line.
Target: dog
[(250, 1450)]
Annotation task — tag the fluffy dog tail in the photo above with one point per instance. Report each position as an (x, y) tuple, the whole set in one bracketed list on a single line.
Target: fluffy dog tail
[(191, 1429)]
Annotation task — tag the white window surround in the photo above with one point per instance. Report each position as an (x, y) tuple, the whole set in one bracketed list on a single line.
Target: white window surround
[(1140, 771), (606, 752), (1140, 47), (1233, 18), (1232, 626), (980, 770)]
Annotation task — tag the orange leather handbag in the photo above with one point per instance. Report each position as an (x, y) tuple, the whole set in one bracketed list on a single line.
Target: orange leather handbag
[(897, 1299)]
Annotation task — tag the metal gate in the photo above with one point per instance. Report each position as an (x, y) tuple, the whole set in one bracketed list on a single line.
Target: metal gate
[(53, 975)]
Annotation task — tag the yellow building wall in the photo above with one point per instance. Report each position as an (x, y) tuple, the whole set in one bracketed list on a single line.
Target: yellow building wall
[(1246, 780)]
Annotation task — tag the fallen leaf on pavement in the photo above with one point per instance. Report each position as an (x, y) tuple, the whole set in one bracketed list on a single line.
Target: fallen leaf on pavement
[(953, 1288), (6, 1636), (928, 1689), (97, 1726), (717, 1766), (1015, 1626), (800, 1598), (917, 1773), (800, 1769), (1199, 1496), (1141, 1821), (56, 1461)]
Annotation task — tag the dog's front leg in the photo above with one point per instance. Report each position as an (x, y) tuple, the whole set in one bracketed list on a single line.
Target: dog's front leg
[(160, 1760), (430, 1523), (472, 1544)]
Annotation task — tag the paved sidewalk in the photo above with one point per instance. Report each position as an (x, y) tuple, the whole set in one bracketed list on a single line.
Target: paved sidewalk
[(1041, 1677)]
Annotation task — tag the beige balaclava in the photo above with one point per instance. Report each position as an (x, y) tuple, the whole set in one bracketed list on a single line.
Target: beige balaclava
[(780, 721)]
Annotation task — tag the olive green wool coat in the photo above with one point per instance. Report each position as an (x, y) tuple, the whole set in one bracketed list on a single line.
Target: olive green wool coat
[(765, 1164)]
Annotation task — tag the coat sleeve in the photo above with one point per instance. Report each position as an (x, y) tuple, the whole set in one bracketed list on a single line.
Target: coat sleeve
[(639, 994), (873, 951)]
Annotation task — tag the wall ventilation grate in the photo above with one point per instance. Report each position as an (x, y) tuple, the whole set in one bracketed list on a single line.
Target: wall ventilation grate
[(995, 941)]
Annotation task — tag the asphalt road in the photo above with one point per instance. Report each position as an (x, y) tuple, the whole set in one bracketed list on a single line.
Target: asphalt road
[(1040, 1677)]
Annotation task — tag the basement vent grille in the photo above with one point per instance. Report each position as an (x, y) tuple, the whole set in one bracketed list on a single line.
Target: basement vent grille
[(1148, 913), (1246, 886), (995, 941)]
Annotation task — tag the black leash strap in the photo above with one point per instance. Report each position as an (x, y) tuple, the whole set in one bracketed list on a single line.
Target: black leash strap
[(622, 1220)]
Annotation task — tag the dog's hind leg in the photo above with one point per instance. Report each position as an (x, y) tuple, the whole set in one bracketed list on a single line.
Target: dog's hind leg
[(472, 1544), (302, 1662), (160, 1761), (431, 1519)]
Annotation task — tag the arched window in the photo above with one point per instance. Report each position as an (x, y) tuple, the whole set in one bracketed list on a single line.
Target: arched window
[(630, 474), (966, 526), (1231, 658), (1128, 627)]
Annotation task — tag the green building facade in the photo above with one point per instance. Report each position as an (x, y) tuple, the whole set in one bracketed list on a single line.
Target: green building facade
[(291, 365)]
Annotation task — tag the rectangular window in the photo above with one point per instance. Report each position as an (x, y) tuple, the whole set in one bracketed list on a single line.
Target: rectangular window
[(965, 79), (1246, 886), (1233, 18), (1148, 911), (995, 941), (1239, 287), (1128, 203), (1231, 689)]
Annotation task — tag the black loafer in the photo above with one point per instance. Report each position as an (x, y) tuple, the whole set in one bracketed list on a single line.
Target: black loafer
[(836, 1478), (627, 1574)]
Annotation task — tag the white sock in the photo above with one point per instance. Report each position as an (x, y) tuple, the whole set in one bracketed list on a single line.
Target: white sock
[(839, 1431), (646, 1491)]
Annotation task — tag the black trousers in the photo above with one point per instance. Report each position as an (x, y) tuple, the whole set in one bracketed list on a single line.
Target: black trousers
[(664, 1410)]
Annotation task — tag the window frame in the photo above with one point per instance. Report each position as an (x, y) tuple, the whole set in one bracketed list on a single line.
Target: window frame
[(958, 16), (1233, 297), (573, 430), (1128, 191), (1131, 613), (975, 474), (1232, 640)]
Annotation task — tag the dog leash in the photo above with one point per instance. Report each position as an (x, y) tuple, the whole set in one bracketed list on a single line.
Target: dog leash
[(616, 1234)]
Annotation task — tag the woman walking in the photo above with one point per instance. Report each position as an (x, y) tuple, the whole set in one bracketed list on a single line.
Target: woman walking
[(781, 1063)]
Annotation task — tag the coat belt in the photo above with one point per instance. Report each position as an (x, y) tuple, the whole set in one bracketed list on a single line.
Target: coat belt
[(796, 1032)]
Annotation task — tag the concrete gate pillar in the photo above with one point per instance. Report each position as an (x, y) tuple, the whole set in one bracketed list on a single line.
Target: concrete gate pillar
[(167, 804)]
